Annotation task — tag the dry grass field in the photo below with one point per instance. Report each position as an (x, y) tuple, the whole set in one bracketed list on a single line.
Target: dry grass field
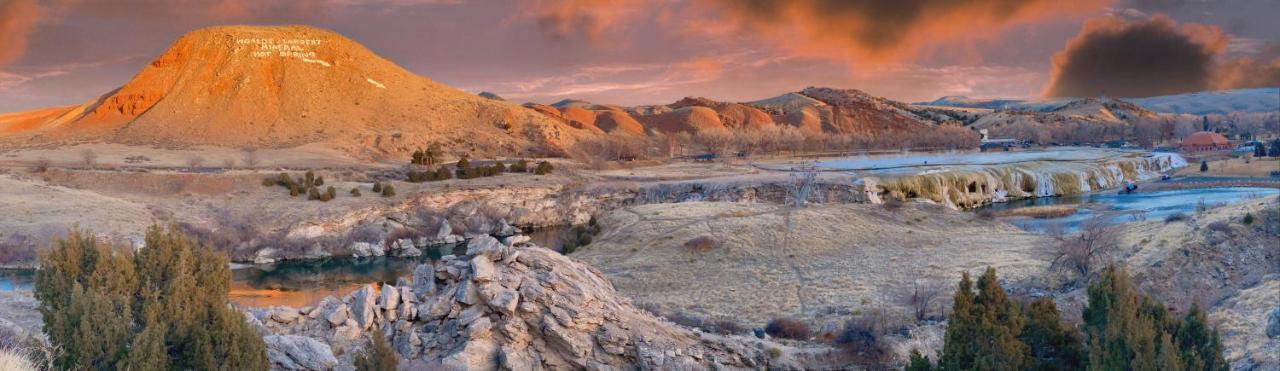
[(765, 262)]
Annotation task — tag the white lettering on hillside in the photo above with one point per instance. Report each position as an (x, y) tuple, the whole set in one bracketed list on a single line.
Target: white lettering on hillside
[(281, 48)]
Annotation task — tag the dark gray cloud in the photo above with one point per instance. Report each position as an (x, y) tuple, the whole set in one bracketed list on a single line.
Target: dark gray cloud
[(1153, 56)]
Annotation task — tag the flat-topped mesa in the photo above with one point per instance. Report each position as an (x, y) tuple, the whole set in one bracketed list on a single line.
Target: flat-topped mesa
[(280, 86), (517, 307)]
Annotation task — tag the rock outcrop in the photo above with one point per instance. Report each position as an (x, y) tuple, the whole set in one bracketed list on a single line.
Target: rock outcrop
[(517, 308), (292, 352)]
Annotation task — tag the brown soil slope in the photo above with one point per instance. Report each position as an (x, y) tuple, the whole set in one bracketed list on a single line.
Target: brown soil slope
[(291, 85), (733, 115)]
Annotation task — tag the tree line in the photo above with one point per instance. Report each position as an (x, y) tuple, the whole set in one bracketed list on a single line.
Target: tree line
[(1122, 329)]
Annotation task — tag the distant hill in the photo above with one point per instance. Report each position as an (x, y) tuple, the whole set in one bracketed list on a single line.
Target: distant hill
[(1261, 100), (1223, 102), (286, 86)]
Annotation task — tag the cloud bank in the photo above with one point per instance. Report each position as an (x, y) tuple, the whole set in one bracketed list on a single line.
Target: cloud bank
[(1153, 56)]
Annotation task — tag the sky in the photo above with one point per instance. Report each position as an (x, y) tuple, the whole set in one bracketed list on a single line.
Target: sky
[(632, 52)]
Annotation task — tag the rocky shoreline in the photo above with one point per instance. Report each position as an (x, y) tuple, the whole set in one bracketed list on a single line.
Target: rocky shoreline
[(511, 306)]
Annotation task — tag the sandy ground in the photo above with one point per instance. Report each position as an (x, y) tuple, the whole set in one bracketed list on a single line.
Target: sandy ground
[(835, 259), (38, 209), (109, 155)]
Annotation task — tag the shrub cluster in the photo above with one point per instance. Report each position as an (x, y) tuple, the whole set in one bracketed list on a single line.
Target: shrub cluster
[(441, 173), (309, 184), (160, 308), (788, 328), (463, 169), (377, 354), (386, 190), (543, 168), (580, 235), (466, 171), (428, 157)]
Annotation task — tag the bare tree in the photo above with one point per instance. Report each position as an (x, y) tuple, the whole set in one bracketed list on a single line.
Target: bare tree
[(792, 139), (1092, 247), (715, 141), (924, 297), (803, 185), (89, 157), (249, 156)]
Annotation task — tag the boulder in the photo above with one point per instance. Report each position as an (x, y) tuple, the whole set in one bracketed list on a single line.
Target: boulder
[(502, 300), (284, 314), (390, 298), (266, 256), (512, 359), (409, 252), (362, 306), (424, 280), (408, 309), (365, 249), (294, 352), (482, 269), (346, 332), (338, 315), (486, 246), (407, 343), (504, 229), (479, 354), (402, 244), (445, 230), (513, 240)]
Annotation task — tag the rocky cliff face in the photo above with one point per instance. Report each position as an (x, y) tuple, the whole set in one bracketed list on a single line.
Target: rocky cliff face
[(506, 307), (433, 218)]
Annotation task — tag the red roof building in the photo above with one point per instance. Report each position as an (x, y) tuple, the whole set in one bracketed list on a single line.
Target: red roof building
[(1205, 141)]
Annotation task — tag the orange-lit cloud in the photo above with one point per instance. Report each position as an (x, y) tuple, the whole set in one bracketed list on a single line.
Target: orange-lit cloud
[(563, 19), (1248, 73), (881, 31), (17, 19), (852, 30), (1149, 57)]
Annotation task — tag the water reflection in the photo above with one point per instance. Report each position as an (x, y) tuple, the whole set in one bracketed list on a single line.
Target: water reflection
[(303, 283), (17, 279)]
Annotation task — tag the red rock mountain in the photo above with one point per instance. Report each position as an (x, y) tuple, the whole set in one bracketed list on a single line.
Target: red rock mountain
[(287, 86)]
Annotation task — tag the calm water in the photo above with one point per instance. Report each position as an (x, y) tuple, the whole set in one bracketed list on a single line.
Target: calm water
[(302, 283), (1121, 208), (16, 279)]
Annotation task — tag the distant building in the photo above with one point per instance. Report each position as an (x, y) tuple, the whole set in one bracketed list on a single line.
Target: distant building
[(1205, 141), (987, 142)]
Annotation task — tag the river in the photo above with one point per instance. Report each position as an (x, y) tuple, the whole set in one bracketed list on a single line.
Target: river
[(302, 283), (1127, 207)]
